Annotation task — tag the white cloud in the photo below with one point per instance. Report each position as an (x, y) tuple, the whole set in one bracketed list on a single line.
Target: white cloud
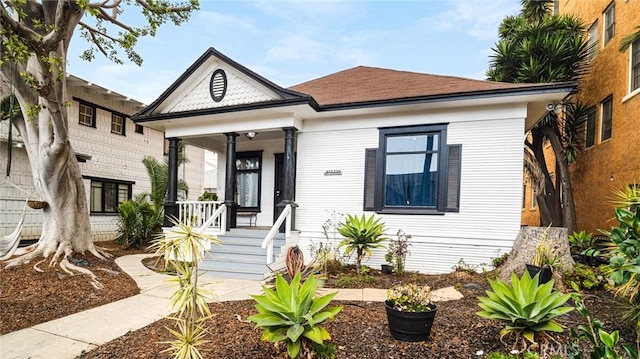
[(297, 48), (216, 20), (479, 19)]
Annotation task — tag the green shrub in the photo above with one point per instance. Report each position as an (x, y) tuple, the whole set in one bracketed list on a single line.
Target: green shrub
[(624, 260), (524, 306), (585, 277), (500, 260), (138, 222), (346, 281), (361, 235), (291, 314)]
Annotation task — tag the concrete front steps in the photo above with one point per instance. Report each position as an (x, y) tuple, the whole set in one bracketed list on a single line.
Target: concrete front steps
[(240, 255)]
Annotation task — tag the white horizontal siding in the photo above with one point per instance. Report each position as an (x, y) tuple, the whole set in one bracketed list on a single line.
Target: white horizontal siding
[(113, 156), (490, 193)]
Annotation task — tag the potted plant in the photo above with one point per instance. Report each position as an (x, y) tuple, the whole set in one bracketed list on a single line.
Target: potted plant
[(544, 260), (397, 252), (410, 312)]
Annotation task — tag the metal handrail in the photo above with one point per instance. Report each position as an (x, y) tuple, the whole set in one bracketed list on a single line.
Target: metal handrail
[(268, 240)]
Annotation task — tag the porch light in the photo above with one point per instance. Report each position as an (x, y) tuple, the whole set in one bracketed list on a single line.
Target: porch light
[(250, 135)]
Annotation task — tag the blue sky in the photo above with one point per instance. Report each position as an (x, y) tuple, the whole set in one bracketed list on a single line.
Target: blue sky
[(290, 42)]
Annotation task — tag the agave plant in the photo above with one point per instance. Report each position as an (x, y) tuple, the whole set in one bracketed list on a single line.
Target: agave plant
[(292, 315), (361, 234), (526, 307)]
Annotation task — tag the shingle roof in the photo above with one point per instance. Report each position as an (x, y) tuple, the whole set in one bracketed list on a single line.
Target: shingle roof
[(367, 84)]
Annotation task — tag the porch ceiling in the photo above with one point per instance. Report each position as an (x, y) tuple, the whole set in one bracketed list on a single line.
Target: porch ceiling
[(217, 142)]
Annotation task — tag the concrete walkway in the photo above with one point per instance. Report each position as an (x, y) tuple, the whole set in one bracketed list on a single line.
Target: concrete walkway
[(68, 337)]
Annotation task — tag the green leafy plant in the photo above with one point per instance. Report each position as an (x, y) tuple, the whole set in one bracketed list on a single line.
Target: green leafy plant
[(584, 276), (398, 250), (602, 344), (624, 255), (138, 222), (410, 298), (183, 249), (346, 281), (499, 260), (208, 196), (581, 241), (524, 306), (290, 314), (361, 235)]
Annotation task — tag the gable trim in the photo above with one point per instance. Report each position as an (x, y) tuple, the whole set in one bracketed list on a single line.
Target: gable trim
[(211, 52)]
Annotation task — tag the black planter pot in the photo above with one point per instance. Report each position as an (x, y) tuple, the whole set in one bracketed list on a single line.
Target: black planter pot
[(386, 269), (410, 326), (545, 273)]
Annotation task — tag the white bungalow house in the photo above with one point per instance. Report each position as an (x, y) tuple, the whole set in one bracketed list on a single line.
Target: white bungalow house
[(439, 157), (110, 148)]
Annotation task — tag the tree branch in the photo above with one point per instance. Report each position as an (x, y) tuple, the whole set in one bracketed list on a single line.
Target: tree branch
[(146, 5), (29, 36)]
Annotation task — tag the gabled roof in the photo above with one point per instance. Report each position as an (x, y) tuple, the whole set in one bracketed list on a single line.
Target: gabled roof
[(362, 84), (286, 96)]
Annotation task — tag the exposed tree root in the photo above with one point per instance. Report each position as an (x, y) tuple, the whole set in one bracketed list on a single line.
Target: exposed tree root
[(68, 267), (62, 253)]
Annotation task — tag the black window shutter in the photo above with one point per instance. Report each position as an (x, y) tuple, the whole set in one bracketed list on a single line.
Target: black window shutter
[(369, 179), (453, 178)]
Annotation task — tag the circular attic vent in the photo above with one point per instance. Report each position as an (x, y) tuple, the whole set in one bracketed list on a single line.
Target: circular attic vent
[(218, 85)]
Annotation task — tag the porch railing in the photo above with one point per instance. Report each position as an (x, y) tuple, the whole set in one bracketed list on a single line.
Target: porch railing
[(268, 240), (203, 214)]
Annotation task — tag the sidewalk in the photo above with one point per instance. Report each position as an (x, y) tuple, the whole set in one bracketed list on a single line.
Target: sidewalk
[(68, 337)]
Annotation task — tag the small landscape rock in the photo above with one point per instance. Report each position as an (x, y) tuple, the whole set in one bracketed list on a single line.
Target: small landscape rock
[(472, 286)]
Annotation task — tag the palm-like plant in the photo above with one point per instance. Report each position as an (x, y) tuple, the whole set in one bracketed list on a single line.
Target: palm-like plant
[(159, 178), (524, 306), (361, 235), (537, 46), (626, 41), (183, 249), (292, 314)]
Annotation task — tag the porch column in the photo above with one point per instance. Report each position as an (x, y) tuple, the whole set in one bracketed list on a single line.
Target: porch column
[(289, 171), (170, 206), (230, 180)]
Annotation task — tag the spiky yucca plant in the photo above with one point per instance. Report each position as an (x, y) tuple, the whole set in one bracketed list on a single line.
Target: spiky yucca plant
[(524, 306), (292, 315), (361, 235), (183, 250)]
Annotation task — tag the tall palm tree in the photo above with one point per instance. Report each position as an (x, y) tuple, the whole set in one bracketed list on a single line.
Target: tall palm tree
[(536, 46)]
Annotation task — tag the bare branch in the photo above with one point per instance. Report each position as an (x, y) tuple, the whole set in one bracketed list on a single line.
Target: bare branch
[(104, 16), (105, 4), (67, 16)]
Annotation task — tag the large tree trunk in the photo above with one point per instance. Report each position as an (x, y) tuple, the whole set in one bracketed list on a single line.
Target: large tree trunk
[(39, 84), (564, 177), (548, 200)]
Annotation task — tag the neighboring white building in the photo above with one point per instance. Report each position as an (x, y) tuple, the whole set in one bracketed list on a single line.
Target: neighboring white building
[(439, 157), (110, 148)]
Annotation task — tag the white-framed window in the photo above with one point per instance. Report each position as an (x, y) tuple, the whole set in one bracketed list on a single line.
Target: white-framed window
[(609, 23), (117, 124), (590, 130), (592, 40), (635, 65), (86, 115), (607, 118)]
